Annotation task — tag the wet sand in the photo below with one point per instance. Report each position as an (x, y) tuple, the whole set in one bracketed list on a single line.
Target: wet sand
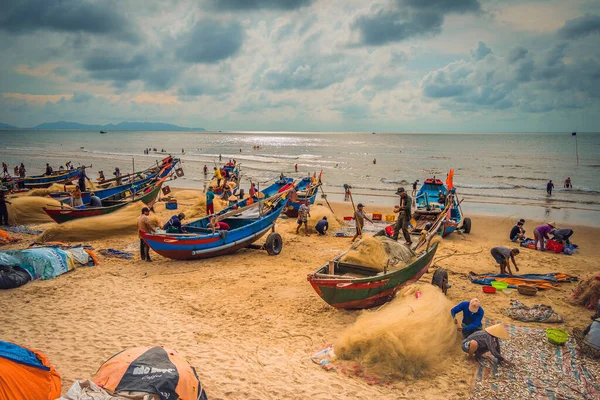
[(249, 322)]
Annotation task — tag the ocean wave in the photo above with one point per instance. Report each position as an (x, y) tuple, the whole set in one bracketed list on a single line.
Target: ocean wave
[(469, 186)]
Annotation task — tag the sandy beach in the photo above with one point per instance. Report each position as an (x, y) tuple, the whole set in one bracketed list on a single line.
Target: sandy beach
[(248, 321)]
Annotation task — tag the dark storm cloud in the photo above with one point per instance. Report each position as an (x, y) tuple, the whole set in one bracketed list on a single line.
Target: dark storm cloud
[(25, 16), (210, 41), (579, 27), (517, 54), (481, 51), (245, 5), (408, 18)]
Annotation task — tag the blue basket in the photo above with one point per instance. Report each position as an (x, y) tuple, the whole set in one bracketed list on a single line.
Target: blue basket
[(171, 206)]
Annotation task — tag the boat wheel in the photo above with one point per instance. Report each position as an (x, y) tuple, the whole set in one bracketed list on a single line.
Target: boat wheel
[(440, 279), (274, 244)]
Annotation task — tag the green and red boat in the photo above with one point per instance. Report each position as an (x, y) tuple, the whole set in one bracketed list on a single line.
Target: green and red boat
[(351, 286), (148, 197)]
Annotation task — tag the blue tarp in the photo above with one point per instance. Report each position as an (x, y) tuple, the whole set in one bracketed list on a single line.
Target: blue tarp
[(21, 355), (40, 263)]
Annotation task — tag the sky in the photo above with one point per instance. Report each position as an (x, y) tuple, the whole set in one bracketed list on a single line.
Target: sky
[(304, 65)]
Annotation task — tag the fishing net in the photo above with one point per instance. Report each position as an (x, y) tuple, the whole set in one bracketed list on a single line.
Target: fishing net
[(378, 252), (409, 336), (54, 188), (317, 213), (29, 210)]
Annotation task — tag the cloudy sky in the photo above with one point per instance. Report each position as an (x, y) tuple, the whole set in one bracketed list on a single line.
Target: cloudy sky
[(304, 65)]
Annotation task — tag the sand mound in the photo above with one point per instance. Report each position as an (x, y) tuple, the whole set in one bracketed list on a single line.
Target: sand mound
[(54, 188), (407, 337), (121, 222), (28, 210), (375, 252)]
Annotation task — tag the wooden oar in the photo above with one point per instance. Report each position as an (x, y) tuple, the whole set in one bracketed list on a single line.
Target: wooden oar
[(359, 228)]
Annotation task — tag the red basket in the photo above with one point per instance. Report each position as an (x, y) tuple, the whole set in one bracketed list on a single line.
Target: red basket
[(348, 218), (488, 289)]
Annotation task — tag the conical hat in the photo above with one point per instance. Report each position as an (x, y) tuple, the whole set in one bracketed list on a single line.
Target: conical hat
[(231, 184), (232, 198), (498, 331), (260, 195)]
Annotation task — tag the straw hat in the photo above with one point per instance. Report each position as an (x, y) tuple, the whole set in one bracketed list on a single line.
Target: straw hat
[(498, 331), (231, 184), (260, 195), (552, 224), (474, 305), (232, 198)]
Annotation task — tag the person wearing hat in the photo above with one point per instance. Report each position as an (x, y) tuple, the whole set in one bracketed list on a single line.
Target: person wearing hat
[(145, 225), (117, 175), (359, 217), (472, 316), (322, 226), (480, 342), (303, 215), (541, 232), (174, 224), (503, 255), (232, 200), (404, 213)]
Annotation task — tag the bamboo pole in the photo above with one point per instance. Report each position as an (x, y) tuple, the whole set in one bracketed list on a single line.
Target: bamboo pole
[(358, 227)]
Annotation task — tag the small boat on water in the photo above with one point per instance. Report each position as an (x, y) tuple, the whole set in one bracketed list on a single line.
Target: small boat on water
[(102, 132), (305, 190), (429, 209), (147, 196), (352, 286), (248, 222)]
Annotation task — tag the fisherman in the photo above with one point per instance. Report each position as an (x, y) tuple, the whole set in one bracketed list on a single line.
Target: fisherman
[(145, 225), (252, 191), (322, 226), (220, 226), (347, 192), (5, 169), (95, 200), (220, 157), (404, 214), (117, 174), (517, 233), (16, 170), (205, 170), (296, 167), (541, 232), (102, 178), (49, 170), (3, 208), (480, 342), (562, 234), (82, 177), (232, 200), (22, 172), (77, 202), (218, 176), (414, 191), (174, 224), (303, 215), (472, 316), (210, 196), (359, 217), (549, 187), (374, 161), (61, 168), (442, 199), (568, 184), (503, 255)]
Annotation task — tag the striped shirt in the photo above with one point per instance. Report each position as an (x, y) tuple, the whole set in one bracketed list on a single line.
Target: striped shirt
[(485, 343)]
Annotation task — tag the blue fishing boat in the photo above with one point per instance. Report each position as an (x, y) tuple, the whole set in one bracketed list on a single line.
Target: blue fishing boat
[(430, 207), (305, 190), (42, 181), (248, 221)]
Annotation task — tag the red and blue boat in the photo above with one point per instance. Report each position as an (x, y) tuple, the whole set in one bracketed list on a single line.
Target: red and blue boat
[(248, 220)]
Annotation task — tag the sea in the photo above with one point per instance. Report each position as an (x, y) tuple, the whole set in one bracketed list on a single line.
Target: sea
[(502, 174)]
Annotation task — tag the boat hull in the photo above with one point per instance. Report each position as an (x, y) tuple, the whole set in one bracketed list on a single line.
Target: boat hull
[(46, 181), (369, 291), (294, 206)]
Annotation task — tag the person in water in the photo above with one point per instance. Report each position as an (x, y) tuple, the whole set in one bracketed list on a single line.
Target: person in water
[(549, 187), (568, 184)]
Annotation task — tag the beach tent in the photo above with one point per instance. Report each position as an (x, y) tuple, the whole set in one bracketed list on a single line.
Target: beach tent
[(154, 370), (26, 374)]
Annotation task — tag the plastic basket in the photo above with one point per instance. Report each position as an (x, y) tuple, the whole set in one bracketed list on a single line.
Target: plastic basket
[(488, 289), (499, 285), (557, 336), (527, 290), (171, 206)]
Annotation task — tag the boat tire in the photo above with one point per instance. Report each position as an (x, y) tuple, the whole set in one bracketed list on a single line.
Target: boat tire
[(467, 225), (440, 279), (274, 244)]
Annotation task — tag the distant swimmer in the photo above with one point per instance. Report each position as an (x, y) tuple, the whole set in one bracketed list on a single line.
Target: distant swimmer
[(220, 158), (5, 169), (205, 170), (549, 187), (182, 151), (374, 161), (568, 184), (336, 165), (296, 167)]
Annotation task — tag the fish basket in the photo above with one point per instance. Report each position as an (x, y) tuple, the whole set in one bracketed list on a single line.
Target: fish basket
[(171, 205), (488, 289), (557, 336), (376, 216), (390, 218), (527, 290), (348, 218), (499, 285)]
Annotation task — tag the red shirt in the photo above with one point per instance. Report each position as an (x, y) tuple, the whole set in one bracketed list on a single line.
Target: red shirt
[(222, 226)]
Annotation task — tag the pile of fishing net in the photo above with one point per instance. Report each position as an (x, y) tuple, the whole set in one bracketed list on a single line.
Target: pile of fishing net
[(317, 213), (379, 252), (54, 188), (26, 210), (411, 335), (587, 293)]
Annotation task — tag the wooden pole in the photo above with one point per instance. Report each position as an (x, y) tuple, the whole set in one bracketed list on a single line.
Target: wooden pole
[(358, 227), (576, 148), (331, 267), (133, 179)]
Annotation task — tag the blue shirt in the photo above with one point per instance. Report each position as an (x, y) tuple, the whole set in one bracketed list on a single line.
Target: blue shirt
[(322, 225), (470, 320), (175, 222), (209, 197)]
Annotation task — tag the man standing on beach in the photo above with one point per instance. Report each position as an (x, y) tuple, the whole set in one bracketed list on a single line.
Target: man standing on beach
[(82, 178), (359, 217), (404, 214), (549, 187), (414, 192), (145, 225), (3, 208), (218, 176), (296, 167), (210, 196), (303, 215)]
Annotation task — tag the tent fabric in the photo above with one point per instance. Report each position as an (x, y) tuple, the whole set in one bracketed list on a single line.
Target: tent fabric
[(88, 390), (155, 370), (26, 374)]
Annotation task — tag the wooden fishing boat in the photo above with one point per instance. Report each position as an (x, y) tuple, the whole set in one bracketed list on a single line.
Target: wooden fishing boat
[(42, 181), (61, 215), (305, 190), (351, 286), (429, 209), (248, 223)]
